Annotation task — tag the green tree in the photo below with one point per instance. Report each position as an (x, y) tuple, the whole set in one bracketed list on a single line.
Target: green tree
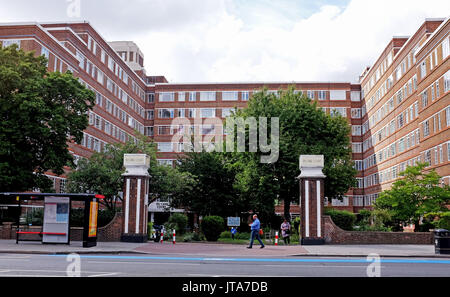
[(39, 113), (415, 195), (213, 192), (303, 129)]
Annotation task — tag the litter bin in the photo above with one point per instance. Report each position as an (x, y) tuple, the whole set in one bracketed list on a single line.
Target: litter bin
[(442, 241)]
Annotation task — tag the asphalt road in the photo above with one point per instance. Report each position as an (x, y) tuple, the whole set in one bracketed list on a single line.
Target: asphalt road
[(33, 265)]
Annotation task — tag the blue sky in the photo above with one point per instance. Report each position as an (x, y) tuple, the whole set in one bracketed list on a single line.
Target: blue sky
[(280, 12), (245, 40)]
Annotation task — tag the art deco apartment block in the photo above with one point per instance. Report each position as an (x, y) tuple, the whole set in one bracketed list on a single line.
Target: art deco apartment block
[(399, 111)]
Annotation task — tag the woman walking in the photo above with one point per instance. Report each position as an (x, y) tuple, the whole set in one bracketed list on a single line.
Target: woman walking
[(286, 231)]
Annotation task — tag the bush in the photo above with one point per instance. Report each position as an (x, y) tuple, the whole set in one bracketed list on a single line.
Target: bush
[(342, 218), (244, 235), (193, 236), (225, 234), (212, 226), (179, 222)]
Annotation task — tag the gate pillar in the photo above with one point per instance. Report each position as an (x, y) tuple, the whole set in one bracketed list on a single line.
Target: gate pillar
[(311, 199), (135, 198)]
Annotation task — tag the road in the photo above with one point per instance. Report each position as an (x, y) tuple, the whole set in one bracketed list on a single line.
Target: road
[(135, 265)]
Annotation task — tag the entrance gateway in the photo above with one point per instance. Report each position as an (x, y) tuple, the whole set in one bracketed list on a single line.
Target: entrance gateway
[(311, 199)]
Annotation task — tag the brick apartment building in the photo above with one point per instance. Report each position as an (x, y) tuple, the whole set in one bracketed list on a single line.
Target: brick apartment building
[(399, 111)]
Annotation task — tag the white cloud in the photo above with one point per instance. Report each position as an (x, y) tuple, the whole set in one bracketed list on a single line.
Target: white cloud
[(333, 44), (237, 40)]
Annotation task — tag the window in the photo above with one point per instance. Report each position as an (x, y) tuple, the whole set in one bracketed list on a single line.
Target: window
[(322, 95), (447, 81), (392, 127), (151, 97), (165, 162), (245, 95), (356, 130), (358, 165), (111, 64), (181, 113), (207, 112), (165, 113), (426, 128), (445, 48), (166, 97), (338, 95), (192, 112), (357, 147), (423, 69), (229, 96), (100, 77), (226, 112), (356, 113), (342, 111), (45, 52), (9, 42), (103, 57), (192, 96), (437, 89), (149, 131), (310, 94), (150, 114), (424, 98), (400, 120), (181, 96), (164, 147), (447, 115), (355, 96), (207, 96)]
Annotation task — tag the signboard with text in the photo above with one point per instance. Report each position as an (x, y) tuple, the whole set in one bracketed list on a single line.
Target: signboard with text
[(233, 221)]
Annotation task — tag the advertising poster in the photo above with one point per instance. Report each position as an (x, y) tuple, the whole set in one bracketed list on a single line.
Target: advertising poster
[(93, 219)]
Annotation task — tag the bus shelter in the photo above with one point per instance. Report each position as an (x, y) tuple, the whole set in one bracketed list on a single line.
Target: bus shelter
[(56, 219)]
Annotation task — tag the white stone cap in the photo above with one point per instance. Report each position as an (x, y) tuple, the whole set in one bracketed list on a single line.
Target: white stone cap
[(311, 166), (136, 164)]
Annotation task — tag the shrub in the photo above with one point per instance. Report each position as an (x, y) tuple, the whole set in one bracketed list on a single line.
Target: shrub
[(225, 234), (180, 222), (212, 226), (193, 236), (342, 218), (244, 235)]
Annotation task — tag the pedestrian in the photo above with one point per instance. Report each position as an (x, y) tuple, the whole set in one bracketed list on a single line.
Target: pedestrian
[(233, 232), (286, 231), (255, 227)]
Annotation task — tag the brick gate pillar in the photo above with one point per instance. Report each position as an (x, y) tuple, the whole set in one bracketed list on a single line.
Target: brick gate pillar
[(311, 199), (135, 198)]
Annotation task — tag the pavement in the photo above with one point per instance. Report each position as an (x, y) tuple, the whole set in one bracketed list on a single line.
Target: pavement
[(222, 249)]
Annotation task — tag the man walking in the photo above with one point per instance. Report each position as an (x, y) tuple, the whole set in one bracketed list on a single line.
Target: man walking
[(255, 226)]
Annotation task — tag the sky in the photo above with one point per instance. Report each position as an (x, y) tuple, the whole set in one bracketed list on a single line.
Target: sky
[(244, 40)]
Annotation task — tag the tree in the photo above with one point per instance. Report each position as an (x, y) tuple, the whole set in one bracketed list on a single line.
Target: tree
[(303, 129), (213, 192), (102, 173), (39, 113), (415, 196)]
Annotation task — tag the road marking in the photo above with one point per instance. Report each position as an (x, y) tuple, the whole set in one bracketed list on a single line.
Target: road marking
[(280, 260), (104, 274), (143, 263)]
